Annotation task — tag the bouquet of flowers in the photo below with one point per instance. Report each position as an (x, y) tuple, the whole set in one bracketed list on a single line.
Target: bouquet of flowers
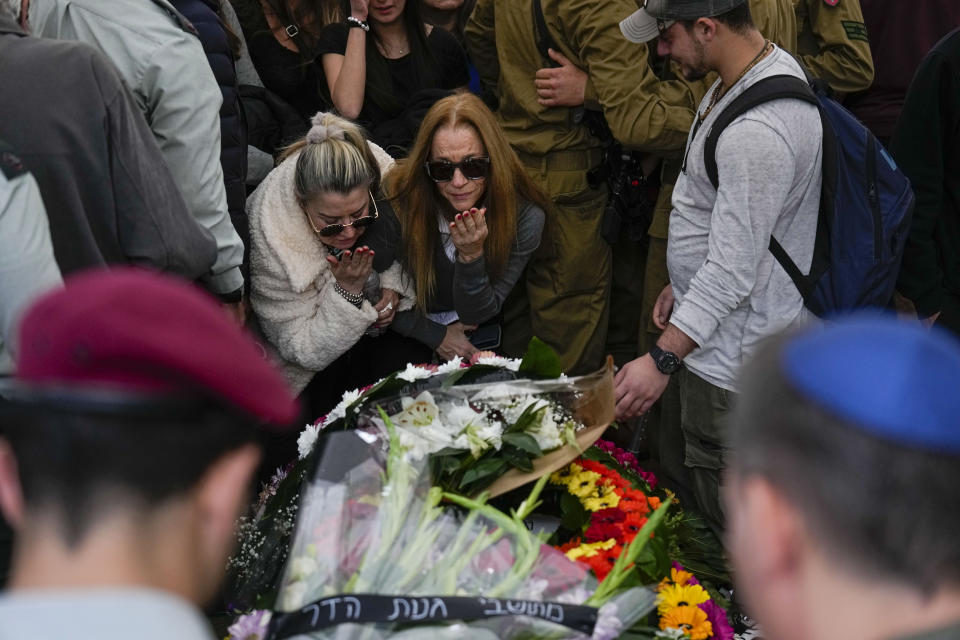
[(478, 427), (375, 551), (606, 501)]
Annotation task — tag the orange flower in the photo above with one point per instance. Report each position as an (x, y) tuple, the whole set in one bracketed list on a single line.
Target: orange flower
[(680, 577), (654, 502), (692, 620)]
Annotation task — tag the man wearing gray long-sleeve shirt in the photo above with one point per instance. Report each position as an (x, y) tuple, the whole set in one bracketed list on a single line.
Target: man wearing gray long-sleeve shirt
[(727, 291), (161, 60)]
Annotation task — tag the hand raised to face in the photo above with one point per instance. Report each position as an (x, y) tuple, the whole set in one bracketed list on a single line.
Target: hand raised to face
[(468, 231), (353, 268)]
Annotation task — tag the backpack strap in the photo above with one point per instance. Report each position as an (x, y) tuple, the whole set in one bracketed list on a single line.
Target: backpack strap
[(545, 41), (772, 88)]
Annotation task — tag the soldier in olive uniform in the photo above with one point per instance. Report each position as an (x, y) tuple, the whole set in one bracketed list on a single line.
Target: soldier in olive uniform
[(833, 44), (569, 279)]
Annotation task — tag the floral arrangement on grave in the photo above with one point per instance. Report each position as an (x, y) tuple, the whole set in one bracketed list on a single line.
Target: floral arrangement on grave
[(491, 426), (379, 552), (475, 431)]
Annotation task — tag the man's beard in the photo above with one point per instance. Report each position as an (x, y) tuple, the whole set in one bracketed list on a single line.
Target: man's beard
[(698, 69), (693, 74)]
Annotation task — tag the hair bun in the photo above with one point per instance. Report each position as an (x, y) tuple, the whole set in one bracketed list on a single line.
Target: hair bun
[(322, 131)]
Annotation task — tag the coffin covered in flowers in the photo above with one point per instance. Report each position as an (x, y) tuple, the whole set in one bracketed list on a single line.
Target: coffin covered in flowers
[(385, 527)]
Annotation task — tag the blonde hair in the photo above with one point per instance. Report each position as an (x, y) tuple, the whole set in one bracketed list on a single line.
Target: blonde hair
[(417, 199), (334, 156)]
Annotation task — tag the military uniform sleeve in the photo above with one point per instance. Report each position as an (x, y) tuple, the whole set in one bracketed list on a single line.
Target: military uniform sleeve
[(920, 146), (627, 90), (481, 44), (27, 265), (183, 106), (155, 227), (843, 56)]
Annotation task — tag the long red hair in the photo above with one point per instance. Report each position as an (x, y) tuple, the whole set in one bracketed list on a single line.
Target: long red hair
[(417, 200)]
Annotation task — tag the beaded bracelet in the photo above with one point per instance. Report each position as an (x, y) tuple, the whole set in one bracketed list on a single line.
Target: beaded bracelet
[(357, 22), (356, 299)]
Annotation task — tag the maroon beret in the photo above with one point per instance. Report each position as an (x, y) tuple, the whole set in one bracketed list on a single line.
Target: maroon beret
[(134, 330)]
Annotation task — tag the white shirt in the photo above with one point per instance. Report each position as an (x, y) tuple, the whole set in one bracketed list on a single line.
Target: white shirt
[(99, 614)]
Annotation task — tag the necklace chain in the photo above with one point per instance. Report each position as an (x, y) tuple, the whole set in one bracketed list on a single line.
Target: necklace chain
[(720, 91)]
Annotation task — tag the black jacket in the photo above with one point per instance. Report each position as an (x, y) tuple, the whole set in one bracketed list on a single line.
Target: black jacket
[(233, 129), (926, 145)]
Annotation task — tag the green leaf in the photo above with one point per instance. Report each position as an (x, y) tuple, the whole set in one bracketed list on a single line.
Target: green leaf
[(572, 514), (533, 413), (517, 458), (524, 442), (540, 360), (482, 469)]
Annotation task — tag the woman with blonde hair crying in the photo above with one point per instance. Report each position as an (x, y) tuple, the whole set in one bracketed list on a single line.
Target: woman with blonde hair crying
[(321, 295), (469, 220)]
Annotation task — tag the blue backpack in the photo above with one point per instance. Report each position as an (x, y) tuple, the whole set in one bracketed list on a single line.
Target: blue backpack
[(865, 206)]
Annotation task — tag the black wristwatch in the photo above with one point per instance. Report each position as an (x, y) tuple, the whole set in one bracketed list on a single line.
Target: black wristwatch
[(667, 362)]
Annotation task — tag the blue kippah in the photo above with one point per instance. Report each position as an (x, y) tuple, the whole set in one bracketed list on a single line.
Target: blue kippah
[(894, 380)]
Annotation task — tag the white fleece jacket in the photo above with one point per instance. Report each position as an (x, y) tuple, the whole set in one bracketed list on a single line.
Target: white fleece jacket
[(308, 324)]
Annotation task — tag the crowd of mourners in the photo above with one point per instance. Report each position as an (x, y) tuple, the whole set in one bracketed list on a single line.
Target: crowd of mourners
[(362, 184)]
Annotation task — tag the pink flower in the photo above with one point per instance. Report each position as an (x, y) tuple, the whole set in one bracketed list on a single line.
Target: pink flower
[(718, 620)]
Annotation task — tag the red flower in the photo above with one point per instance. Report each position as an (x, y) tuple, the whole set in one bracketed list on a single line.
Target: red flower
[(608, 516), (573, 544), (603, 562), (631, 526), (599, 531)]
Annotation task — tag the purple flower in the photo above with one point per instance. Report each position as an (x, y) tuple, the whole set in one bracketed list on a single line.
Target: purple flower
[(250, 626), (718, 620)]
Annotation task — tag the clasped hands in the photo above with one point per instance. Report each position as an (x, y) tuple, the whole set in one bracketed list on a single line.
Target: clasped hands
[(468, 232)]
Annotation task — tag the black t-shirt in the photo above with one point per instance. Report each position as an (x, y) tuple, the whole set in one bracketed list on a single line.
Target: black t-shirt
[(295, 77), (394, 126)]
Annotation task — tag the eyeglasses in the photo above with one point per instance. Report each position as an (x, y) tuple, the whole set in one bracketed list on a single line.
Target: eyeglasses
[(471, 168), (334, 229)]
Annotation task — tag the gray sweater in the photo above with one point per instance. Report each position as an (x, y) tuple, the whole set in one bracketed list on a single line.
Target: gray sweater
[(730, 291), (467, 288)]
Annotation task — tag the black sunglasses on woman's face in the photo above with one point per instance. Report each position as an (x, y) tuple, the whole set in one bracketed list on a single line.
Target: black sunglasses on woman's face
[(333, 229), (471, 168)]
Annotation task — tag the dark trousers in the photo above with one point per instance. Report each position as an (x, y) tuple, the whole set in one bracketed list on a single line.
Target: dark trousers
[(370, 359), (704, 412)]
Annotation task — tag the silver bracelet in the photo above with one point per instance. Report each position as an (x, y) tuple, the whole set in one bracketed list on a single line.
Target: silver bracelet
[(357, 22), (356, 299)]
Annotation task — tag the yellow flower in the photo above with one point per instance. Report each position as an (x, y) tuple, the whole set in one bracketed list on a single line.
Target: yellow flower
[(583, 484), (563, 475), (692, 620), (589, 549), (676, 595), (605, 499)]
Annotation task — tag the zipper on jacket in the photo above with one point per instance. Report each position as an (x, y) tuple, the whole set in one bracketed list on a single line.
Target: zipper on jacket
[(873, 196)]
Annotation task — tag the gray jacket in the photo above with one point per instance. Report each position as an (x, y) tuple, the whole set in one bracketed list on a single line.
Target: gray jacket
[(161, 60), (27, 267)]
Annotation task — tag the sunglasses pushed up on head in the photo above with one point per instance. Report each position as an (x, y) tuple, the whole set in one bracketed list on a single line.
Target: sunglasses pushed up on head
[(333, 229), (471, 168)]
